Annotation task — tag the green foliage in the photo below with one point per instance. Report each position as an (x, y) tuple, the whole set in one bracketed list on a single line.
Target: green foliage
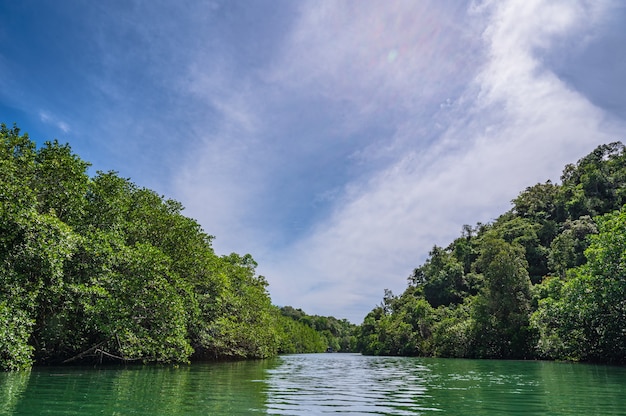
[(526, 234), (567, 249), (597, 183), (15, 330), (584, 317), (314, 333), (400, 326), (98, 268), (296, 337), (144, 308), (453, 331), (443, 278), (60, 182), (544, 280), (501, 311), (539, 203), (245, 324)]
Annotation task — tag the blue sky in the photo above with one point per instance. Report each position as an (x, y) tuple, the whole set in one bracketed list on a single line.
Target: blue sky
[(335, 141)]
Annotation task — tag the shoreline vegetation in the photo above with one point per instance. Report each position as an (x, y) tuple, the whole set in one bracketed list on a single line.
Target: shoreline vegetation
[(545, 280), (98, 269)]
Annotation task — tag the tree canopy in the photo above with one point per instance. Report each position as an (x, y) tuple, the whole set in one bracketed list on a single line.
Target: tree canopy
[(544, 280), (98, 268)]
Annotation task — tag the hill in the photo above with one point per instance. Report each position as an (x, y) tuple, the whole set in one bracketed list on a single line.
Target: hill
[(547, 279)]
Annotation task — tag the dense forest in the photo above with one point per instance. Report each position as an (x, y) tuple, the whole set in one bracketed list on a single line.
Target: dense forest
[(545, 280), (97, 268), (100, 269), (336, 335)]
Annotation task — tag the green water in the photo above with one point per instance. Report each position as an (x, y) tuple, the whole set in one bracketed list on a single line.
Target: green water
[(348, 384)]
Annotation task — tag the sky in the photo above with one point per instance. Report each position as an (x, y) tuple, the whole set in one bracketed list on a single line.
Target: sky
[(337, 141)]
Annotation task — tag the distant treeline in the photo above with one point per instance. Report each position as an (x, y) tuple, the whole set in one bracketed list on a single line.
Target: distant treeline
[(331, 334), (545, 280), (97, 268)]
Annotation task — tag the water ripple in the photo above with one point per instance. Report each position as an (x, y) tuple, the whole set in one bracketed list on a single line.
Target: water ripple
[(319, 384), (358, 385), (336, 383)]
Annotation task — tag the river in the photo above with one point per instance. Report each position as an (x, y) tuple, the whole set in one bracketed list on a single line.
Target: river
[(315, 384)]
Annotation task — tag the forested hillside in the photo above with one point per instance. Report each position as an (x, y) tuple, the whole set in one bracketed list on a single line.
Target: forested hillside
[(97, 268), (334, 335), (545, 280)]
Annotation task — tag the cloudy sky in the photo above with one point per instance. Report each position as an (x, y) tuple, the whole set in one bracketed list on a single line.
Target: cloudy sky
[(336, 141)]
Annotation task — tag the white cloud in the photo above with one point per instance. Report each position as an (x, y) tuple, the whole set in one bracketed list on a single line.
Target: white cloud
[(516, 124), (337, 53), (220, 181), (49, 118), (376, 57), (472, 115)]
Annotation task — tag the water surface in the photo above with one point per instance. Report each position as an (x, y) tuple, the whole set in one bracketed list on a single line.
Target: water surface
[(315, 384)]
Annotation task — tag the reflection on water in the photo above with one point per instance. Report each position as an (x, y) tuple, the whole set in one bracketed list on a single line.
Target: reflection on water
[(347, 384), (353, 384), (12, 387), (201, 389)]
